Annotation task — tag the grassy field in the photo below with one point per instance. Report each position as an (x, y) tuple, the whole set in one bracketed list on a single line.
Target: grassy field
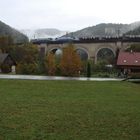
[(69, 110)]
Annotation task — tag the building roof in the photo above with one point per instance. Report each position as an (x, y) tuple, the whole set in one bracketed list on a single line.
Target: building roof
[(128, 59), (3, 56)]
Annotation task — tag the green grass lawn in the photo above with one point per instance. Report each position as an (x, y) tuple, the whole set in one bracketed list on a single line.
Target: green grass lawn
[(69, 110)]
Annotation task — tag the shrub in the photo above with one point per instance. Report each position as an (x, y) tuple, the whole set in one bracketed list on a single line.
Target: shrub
[(24, 68)]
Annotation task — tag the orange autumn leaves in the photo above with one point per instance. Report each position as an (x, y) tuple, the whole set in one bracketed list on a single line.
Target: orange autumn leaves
[(69, 65), (50, 64)]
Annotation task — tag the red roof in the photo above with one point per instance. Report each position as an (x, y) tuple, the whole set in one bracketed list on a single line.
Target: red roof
[(129, 59)]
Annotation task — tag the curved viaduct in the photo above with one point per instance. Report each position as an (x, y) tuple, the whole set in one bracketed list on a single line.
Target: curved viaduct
[(91, 48)]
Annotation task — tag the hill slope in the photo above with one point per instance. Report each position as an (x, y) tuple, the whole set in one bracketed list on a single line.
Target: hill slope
[(6, 30), (134, 32), (102, 30)]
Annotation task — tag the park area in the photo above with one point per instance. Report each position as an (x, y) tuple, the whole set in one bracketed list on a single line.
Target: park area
[(69, 110)]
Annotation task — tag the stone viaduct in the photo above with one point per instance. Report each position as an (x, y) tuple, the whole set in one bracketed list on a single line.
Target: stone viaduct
[(88, 47)]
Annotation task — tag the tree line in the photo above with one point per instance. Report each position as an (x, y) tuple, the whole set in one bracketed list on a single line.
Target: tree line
[(29, 61), (69, 63)]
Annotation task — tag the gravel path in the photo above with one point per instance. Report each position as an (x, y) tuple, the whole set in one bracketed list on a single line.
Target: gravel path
[(35, 77)]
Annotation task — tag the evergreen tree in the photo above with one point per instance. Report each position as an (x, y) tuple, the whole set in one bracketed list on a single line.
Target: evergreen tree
[(88, 70)]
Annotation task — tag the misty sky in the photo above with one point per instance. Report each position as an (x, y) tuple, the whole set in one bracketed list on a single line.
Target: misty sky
[(67, 15)]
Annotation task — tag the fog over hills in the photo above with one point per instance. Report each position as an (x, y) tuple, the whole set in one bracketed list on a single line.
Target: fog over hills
[(43, 33), (99, 30)]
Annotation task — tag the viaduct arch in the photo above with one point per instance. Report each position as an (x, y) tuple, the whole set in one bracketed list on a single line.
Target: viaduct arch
[(89, 49)]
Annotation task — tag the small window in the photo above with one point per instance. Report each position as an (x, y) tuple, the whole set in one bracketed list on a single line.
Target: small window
[(124, 61), (136, 61)]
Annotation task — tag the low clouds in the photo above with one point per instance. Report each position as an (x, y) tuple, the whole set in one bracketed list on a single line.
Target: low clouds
[(67, 15)]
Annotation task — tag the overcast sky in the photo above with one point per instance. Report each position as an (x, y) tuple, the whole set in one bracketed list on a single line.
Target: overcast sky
[(67, 15)]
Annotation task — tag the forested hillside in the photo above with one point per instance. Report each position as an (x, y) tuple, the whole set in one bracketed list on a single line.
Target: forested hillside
[(6, 30)]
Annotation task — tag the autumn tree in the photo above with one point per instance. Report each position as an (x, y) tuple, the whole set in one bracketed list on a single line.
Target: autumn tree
[(50, 64), (70, 64), (6, 44), (26, 57)]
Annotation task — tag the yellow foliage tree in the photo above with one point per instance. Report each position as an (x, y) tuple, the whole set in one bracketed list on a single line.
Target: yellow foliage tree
[(50, 64), (70, 64)]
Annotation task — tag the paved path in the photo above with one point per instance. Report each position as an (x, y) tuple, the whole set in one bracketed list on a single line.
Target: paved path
[(34, 77)]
